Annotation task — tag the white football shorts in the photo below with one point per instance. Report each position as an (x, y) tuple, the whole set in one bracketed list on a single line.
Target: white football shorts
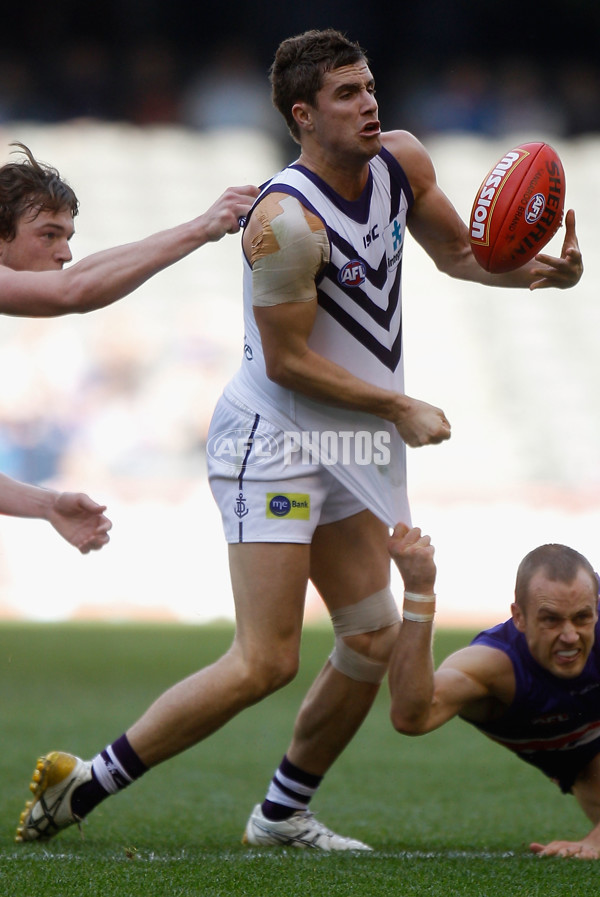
[(266, 491)]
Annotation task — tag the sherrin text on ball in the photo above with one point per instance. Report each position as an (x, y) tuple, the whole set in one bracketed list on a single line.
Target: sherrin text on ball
[(518, 207)]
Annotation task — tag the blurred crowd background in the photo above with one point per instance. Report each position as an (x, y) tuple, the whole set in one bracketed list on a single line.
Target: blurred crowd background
[(441, 65), (150, 110)]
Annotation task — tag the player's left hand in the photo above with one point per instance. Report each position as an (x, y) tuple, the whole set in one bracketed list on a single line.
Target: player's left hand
[(563, 272), (80, 520), (577, 850)]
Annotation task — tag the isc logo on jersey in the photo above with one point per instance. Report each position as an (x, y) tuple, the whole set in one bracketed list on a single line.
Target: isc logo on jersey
[(353, 274)]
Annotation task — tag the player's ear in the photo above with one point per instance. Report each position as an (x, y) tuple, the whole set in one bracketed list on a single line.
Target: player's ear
[(302, 116), (517, 617)]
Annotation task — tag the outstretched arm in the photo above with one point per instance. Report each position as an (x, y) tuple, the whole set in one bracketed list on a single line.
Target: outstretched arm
[(78, 519), (105, 277), (411, 674), (437, 226), (587, 791), (423, 700)]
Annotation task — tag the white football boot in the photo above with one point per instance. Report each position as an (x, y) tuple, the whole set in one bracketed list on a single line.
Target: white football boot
[(301, 829)]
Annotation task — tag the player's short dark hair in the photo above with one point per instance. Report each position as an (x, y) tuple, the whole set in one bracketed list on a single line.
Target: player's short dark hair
[(31, 185), (558, 563), (300, 63)]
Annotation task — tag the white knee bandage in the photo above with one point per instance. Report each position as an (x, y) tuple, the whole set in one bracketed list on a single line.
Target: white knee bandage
[(355, 665), (376, 612)]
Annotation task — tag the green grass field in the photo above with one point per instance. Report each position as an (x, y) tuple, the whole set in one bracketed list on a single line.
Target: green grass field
[(448, 814)]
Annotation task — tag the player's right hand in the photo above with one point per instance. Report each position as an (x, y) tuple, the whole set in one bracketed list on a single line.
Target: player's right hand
[(422, 424)]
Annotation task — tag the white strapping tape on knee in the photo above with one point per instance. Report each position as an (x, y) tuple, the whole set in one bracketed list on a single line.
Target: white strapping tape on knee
[(372, 613), (375, 612), (354, 665)]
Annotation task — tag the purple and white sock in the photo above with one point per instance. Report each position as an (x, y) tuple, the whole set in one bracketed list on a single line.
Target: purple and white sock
[(113, 769), (291, 789)]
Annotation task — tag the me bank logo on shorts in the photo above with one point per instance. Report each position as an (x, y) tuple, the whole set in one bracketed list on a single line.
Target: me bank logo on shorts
[(292, 505), (242, 447)]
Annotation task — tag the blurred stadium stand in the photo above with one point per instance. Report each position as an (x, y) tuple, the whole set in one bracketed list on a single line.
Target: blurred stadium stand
[(440, 65), (150, 121), (117, 402)]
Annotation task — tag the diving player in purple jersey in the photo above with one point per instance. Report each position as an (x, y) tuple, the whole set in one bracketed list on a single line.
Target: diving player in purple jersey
[(532, 683)]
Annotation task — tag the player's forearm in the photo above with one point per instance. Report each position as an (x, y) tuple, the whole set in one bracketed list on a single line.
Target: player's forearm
[(460, 263), (23, 500), (101, 278), (324, 381), (411, 678), (107, 276)]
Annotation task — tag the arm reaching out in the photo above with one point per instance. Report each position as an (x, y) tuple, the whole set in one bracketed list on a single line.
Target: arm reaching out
[(437, 226), (107, 276), (411, 674), (74, 515), (423, 700)]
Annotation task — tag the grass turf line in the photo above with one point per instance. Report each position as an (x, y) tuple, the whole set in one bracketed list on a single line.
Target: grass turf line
[(449, 813)]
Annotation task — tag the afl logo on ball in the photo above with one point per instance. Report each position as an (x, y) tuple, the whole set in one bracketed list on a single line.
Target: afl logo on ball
[(535, 207), (353, 274)]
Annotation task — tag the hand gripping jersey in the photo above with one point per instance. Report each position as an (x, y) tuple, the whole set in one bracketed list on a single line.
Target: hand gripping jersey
[(552, 723), (358, 326)]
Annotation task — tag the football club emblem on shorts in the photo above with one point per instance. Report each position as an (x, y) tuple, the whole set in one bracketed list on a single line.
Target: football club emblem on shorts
[(240, 507), (293, 506)]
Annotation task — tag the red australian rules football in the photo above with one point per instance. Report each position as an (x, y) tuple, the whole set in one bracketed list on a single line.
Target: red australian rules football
[(518, 208)]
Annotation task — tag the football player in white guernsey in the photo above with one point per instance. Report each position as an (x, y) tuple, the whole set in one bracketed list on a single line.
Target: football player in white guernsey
[(306, 449)]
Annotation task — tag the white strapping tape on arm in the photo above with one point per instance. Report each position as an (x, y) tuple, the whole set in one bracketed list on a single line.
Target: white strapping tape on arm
[(287, 273)]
